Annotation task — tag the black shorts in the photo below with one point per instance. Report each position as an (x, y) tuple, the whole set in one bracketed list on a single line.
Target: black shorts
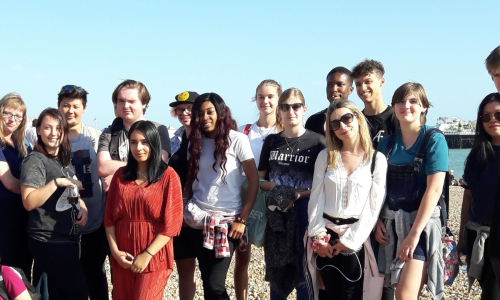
[(184, 243)]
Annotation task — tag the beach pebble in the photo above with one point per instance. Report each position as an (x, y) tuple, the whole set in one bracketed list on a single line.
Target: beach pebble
[(258, 289)]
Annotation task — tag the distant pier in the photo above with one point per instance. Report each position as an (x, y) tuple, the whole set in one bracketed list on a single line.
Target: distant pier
[(459, 140)]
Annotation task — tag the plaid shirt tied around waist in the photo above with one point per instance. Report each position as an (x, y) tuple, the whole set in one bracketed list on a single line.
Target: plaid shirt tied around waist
[(215, 230)]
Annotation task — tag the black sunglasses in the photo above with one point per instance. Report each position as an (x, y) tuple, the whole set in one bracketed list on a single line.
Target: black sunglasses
[(346, 119), (487, 117), (286, 107)]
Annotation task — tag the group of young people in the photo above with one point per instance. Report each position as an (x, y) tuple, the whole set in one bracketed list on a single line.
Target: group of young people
[(354, 197)]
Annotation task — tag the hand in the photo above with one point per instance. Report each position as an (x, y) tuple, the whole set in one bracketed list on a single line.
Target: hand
[(140, 262), (339, 247), (83, 215), (460, 248), (107, 182), (380, 231), (405, 252), (291, 203), (69, 182), (325, 251), (237, 230), (121, 258)]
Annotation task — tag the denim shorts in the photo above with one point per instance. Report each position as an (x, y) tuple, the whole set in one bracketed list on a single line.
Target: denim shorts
[(419, 253)]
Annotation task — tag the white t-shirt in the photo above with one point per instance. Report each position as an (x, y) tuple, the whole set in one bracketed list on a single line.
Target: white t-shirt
[(257, 135), (209, 191)]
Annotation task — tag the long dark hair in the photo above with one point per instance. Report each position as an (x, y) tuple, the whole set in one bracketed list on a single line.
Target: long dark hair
[(482, 150), (156, 166), (64, 153), (223, 126)]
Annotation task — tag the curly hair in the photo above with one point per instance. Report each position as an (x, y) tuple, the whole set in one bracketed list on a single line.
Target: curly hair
[(368, 66), (225, 123)]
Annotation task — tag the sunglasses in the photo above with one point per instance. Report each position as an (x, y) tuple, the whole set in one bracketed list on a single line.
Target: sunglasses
[(286, 107), (346, 119), (487, 117), (69, 87)]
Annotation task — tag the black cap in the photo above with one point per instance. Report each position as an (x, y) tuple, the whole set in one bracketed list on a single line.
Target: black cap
[(184, 97)]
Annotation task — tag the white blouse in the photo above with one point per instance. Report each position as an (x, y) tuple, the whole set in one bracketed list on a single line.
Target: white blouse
[(360, 195)]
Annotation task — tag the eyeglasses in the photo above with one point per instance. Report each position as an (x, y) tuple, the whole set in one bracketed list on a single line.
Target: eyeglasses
[(180, 111), (286, 107), (346, 119), (8, 115), (487, 117)]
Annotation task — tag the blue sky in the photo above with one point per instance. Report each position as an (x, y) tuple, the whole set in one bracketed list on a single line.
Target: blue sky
[(228, 47)]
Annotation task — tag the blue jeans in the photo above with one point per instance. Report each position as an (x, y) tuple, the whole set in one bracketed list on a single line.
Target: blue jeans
[(301, 208)]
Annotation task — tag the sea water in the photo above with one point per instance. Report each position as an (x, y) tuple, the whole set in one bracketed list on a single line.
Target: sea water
[(456, 160)]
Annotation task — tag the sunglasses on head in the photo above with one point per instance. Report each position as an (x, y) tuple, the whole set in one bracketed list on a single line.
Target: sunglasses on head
[(346, 119), (487, 117), (286, 107), (70, 87)]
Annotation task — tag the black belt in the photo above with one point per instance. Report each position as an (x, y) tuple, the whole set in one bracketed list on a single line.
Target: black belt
[(339, 221)]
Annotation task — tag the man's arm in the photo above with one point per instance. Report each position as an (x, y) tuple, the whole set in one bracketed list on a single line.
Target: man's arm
[(106, 166)]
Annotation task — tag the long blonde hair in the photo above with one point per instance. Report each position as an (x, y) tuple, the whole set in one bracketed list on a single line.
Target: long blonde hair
[(14, 101), (334, 144)]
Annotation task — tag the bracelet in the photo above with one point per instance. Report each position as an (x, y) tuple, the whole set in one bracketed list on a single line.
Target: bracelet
[(55, 182), (146, 250), (241, 221)]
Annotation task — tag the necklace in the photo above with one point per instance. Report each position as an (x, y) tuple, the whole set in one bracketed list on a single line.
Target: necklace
[(143, 176), (260, 130), (291, 151), (352, 153)]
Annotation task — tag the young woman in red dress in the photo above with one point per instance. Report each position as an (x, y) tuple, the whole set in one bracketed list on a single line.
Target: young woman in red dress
[(143, 213)]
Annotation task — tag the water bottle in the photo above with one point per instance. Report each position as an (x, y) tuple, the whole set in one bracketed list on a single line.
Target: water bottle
[(463, 267)]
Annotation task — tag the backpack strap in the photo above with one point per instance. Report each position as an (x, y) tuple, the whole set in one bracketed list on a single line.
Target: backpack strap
[(246, 131), (374, 155), (419, 159), (116, 129)]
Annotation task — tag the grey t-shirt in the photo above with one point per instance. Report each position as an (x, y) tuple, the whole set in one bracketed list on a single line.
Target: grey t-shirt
[(54, 221), (123, 145), (84, 160)]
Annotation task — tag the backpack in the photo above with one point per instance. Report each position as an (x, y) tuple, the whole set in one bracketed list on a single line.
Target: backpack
[(29, 287), (418, 160), (116, 129), (450, 255)]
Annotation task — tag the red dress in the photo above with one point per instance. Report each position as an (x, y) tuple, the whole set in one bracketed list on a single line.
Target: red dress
[(139, 213)]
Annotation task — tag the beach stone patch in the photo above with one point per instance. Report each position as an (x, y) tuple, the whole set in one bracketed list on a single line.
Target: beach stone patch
[(258, 289)]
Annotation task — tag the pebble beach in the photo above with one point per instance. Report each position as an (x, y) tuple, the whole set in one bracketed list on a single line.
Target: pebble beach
[(258, 289)]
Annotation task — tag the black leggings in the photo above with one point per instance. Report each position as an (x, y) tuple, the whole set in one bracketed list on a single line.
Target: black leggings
[(13, 236), (61, 263), (337, 287), (95, 247), (488, 282), (213, 270)]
